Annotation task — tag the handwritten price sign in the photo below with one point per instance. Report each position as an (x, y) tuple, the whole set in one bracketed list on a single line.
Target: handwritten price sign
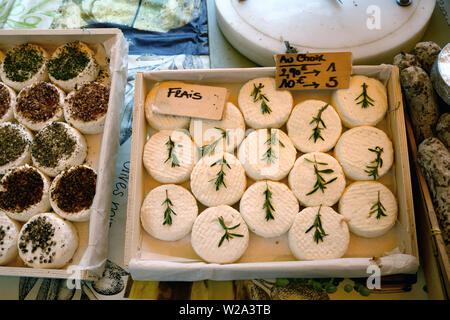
[(309, 71)]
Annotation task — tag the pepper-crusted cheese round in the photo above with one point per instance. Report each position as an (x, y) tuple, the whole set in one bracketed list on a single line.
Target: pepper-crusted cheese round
[(365, 153), (24, 65), (269, 208), (169, 156), (24, 192), (267, 154), (72, 193), (218, 179), (262, 105), (168, 212), (318, 233), (369, 208), (363, 103), (39, 105), (220, 235), (15, 146), (317, 179), (314, 125), (9, 233), (7, 103), (85, 108)]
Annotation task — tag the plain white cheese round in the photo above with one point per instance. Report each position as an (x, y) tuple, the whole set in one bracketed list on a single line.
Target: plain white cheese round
[(359, 206), (352, 113), (156, 156), (162, 121), (89, 73), (207, 132), (184, 211), (25, 156), (301, 124), (76, 158), (207, 233), (9, 233), (29, 93), (40, 75), (62, 242), (303, 178), (8, 114), (352, 152), (41, 206), (279, 101), (282, 203), (205, 175), (253, 154), (334, 244)]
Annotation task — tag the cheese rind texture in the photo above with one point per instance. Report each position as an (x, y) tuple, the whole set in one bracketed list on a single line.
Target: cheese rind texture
[(334, 244), (8, 245), (357, 203), (282, 199), (207, 233), (253, 154), (279, 101), (352, 152), (301, 124), (156, 156), (353, 114), (155, 205), (303, 178), (204, 177)]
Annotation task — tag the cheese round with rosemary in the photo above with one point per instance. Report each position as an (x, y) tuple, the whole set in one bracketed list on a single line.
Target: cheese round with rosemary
[(269, 208), (319, 233), (220, 235), (218, 179), (169, 156), (219, 135), (56, 147), (262, 105), (365, 153), (267, 154), (72, 193), (369, 208), (163, 121), (15, 146), (85, 108), (71, 65), (364, 102), (47, 241), (24, 65), (39, 105), (9, 233), (24, 192), (7, 103), (317, 179), (314, 125), (168, 212)]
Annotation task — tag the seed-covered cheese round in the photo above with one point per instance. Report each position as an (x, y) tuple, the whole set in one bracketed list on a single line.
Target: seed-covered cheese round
[(220, 235), (7, 103), (9, 233), (318, 233), (15, 146)]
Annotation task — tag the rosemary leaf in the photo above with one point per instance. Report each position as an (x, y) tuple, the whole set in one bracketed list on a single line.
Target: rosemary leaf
[(227, 235), (321, 183), (171, 153), (169, 211), (269, 156), (366, 101), (220, 177), (378, 208), (208, 149), (319, 233), (259, 96), (377, 163), (317, 130), (267, 204)]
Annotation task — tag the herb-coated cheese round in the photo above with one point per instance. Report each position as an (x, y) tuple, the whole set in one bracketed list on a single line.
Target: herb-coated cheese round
[(15, 146), (9, 233), (7, 103)]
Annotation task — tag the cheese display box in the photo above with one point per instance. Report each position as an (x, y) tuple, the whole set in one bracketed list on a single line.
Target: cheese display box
[(83, 73), (253, 250)]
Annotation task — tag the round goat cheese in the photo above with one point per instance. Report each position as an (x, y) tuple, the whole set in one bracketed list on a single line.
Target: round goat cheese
[(220, 235), (15, 146), (9, 233), (7, 103)]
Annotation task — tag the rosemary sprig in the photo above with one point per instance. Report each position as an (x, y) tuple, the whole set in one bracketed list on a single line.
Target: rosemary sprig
[(318, 121), (170, 147), (168, 211), (219, 180), (321, 183), (378, 208), (378, 162), (208, 149), (267, 204), (319, 233), (269, 156), (258, 96), (366, 100), (227, 236)]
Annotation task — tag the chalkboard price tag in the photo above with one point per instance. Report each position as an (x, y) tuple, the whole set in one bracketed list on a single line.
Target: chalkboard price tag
[(313, 71)]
